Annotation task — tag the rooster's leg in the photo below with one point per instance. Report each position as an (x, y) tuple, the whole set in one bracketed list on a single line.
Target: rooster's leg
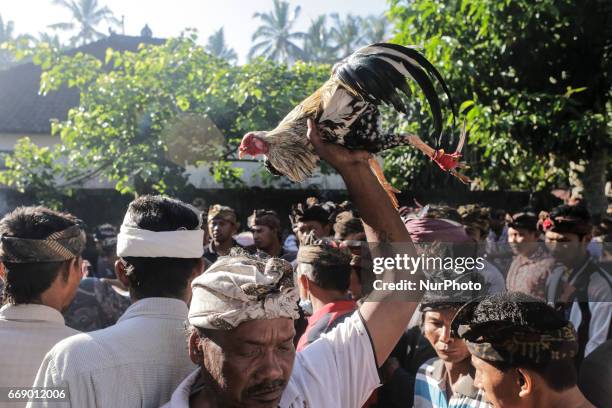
[(380, 175), (448, 162)]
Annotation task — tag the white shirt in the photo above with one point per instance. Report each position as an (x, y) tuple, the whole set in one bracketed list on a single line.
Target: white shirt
[(138, 362), (27, 333), (338, 370)]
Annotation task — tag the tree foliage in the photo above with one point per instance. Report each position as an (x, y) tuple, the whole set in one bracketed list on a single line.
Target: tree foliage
[(85, 17), (217, 46), (532, 79), (275, 38), (144, 116)]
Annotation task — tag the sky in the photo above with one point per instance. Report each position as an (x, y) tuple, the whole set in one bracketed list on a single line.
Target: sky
[(169, 17)]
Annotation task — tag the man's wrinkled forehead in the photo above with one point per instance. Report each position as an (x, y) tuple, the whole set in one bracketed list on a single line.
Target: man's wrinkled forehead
[(262, 331)]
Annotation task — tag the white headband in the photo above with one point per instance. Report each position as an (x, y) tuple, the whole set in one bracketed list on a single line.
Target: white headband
[(164, 244)]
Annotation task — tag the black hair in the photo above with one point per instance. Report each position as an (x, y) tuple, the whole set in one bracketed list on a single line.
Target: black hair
[(559, 375), (575, 211), (25, 282), (160, 277), (335, 274)]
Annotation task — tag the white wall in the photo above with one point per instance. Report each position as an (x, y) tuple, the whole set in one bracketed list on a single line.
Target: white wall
[(200, 177)]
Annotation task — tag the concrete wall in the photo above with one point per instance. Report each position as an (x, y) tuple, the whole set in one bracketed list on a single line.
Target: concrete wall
[(200, 177)]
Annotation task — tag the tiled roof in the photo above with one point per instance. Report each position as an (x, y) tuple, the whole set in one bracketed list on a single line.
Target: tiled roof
[(24, 111)]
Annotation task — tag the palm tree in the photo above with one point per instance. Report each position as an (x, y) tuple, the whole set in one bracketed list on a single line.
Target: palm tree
[(216, 46), (6, 30), (6, 34), (375, 28), (52, 39), (317, 46), (86, 15), (346, 34), (276, 35)]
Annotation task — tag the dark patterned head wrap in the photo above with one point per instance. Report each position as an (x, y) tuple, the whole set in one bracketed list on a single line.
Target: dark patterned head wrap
[(515, 328), (268, 218), (57, 247)]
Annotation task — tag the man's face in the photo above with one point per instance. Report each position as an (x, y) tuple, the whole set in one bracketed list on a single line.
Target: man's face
[(221, 230), (565, 247), (521, 240), (501, 388), (250, 365), (436, 328), (304, 227), (263, 236)]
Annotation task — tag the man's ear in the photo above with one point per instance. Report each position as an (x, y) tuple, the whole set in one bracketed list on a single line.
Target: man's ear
[(121, 272), (526, 382), (197, 269), (303, 286), (196, 354), (2, 271)]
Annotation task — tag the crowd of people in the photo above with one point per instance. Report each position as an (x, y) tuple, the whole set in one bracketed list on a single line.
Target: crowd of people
[(178, 307)]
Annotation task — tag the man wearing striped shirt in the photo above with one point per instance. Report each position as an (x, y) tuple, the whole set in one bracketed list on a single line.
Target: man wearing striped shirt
[(446, 381)]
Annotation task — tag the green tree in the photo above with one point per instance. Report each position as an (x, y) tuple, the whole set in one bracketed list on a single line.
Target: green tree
[(347, 34), (144, 117), (375, 29), (276, 36), (532, 80), (6, 34), (85, 17), (216, 46), (52, 39), (317, 42)]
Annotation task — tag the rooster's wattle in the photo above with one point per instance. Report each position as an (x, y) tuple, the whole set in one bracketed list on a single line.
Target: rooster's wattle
[(345, 110)]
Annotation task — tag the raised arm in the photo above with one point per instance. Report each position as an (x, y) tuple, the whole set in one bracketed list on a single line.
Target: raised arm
[(387, 318)]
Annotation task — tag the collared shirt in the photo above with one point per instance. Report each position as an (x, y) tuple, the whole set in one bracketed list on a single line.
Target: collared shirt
[(337, 371), (136, 363), (431, 384), (27, 333), (324, 320), (528, 274)]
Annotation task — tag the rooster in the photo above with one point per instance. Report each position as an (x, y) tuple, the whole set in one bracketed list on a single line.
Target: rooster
[(346, 111)]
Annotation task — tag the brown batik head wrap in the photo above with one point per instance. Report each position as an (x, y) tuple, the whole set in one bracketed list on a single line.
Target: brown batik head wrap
[(346, 223), (474, 216), (223, 212), (323, 254), (268, 218), (57, 247)]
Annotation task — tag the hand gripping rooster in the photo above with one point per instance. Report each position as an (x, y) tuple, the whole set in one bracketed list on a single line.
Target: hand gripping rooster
[(346, 111)]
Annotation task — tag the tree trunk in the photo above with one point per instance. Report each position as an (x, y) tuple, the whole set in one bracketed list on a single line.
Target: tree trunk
[(592, 181)]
